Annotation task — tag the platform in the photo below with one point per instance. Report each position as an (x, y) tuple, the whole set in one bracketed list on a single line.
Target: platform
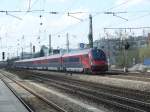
[(8, 101)]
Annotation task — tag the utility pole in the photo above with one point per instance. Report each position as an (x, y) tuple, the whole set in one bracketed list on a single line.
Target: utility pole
[(29, 7), (90, 37), (22, 45), (67, 42), (22, 52), (108, 50), (18, 48), (50, 47), (31, 49)]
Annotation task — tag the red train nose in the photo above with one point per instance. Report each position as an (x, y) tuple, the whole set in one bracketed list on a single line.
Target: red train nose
[(99, 66), (99, 62)]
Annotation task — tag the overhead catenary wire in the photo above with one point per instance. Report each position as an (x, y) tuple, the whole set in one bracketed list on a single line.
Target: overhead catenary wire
[(79, 12), (130, 20), (142, 16), (13, 16), (29, 6), (76, 12), (53, 12), (32, 5), (116, 6), (103, 12), (97, 13), (127, 28)]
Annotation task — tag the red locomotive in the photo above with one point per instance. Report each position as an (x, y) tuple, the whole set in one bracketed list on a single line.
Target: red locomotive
[(87, 61)]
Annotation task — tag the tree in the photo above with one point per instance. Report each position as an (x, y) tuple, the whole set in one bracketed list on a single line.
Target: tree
[(144, 53), (132, 55)]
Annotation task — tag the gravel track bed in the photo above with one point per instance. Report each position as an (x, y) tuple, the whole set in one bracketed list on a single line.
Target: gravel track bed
[(101, 87), (36, 104), (33, 102), (80, 85), (67, 105), (116, 82), (137, 95), (82, 98), (136, 77)]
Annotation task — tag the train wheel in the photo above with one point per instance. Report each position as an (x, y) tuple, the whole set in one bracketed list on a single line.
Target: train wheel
[(87, 71)]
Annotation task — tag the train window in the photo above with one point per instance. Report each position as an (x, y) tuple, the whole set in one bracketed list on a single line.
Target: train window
[(54, 60), (98, 54), (76, 59), (71, 59), (66, 60)]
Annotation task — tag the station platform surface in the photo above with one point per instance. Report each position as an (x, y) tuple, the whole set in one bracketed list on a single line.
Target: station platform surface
[(8, 101)]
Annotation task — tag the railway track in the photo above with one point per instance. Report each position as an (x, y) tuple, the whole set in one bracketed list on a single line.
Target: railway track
[(144, 96), (18, 96), (137, 77), (118, 101), (124, 99), (48, 102)]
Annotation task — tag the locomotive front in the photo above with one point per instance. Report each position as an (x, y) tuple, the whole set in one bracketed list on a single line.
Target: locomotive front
[(98, 60)]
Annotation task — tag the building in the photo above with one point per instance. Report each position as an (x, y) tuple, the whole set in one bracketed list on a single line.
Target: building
[(113, 46)]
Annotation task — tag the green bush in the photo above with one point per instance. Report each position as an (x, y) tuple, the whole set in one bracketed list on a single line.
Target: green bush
[(128, 61)]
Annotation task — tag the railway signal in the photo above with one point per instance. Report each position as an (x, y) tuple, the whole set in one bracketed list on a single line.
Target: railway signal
[(127, 46), (33, 49), (3, 55)]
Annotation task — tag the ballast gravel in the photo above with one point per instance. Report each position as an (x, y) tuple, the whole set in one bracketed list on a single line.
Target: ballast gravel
[(123, 83)]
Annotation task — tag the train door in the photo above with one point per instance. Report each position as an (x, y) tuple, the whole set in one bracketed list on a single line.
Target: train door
[(86, 62)]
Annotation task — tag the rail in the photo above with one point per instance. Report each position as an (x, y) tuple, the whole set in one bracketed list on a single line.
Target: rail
[(58, 108)]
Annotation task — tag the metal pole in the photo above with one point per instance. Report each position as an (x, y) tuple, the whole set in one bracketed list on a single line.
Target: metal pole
[(17, 48), (50, 48), (22, 53), (67, 42), (125, 60), (125, 57), (90, 32), (108, 51), (22, 45), (31, 49), (17, 52)]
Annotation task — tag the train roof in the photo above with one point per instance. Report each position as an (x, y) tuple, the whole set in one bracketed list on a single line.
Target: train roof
[(74, 53), (79, 52), (40, 58)]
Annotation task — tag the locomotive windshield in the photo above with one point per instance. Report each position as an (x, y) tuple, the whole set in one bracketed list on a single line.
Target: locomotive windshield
[(98, 54)]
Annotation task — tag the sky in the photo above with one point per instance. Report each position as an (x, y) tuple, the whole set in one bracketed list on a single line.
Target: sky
[(22, 29)]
